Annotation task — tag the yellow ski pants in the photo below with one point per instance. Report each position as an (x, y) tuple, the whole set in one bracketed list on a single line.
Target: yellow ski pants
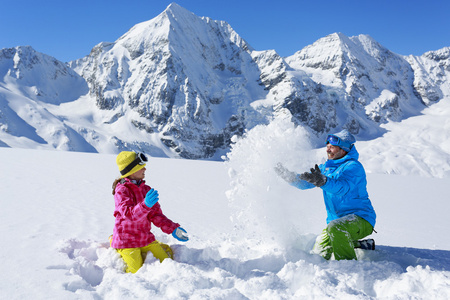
[(134, 257)]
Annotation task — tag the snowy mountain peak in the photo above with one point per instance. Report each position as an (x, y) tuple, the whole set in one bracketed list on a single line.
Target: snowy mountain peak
[(442, 59), (39, 76), (337, 50), (178, 12), (186, 77), (439, 55), (375, 80), (178, 28)]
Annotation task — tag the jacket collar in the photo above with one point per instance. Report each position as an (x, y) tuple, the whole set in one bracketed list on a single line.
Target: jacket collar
[(352, 155), (128, 180)]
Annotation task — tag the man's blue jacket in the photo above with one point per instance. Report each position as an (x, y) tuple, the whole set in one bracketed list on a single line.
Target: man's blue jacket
[(345, 191)]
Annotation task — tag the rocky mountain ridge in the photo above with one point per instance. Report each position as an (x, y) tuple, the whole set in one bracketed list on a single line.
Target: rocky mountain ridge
[(180, 85)]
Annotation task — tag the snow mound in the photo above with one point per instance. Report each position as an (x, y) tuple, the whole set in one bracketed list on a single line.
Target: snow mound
[(388, 273)]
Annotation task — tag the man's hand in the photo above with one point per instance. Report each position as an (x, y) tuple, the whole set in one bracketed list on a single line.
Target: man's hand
[(284, 173), (315, 177)]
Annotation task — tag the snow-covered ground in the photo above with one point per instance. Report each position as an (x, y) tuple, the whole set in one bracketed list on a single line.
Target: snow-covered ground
[(250, 232)]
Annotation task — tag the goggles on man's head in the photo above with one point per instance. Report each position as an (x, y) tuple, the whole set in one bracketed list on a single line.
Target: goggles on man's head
[(336, 141), (140, 159)]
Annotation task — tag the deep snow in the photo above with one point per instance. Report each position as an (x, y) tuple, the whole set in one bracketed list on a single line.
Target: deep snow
[(250, 232)]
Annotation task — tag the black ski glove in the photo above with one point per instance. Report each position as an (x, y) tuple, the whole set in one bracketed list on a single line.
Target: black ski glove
[(315, 177)]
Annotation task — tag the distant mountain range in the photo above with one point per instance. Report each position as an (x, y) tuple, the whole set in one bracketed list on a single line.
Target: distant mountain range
[(180, 85)]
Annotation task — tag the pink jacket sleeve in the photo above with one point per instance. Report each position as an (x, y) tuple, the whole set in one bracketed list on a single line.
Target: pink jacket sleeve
[(157, 217)]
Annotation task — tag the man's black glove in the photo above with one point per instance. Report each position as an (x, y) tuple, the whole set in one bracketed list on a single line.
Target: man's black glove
[(315, 177)]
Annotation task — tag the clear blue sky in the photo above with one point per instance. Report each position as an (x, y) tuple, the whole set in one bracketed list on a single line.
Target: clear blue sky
[(68, 30)]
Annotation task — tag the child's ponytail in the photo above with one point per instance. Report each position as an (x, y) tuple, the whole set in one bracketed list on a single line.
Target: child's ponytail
[(115, 184)]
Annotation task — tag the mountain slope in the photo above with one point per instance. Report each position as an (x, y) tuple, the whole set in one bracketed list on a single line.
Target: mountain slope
[(30, 82), (371, 80)]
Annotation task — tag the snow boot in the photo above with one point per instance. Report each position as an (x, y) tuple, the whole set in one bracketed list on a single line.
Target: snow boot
[(368, 244)]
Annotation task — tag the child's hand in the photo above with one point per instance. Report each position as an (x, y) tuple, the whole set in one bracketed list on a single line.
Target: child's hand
[(180, 234), (151, 198)]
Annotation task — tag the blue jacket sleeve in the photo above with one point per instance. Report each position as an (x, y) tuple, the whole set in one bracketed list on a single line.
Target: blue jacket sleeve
[(346, 181), (302, 184)]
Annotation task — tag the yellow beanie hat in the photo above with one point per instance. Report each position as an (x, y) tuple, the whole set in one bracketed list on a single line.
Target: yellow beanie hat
[(124, 159)]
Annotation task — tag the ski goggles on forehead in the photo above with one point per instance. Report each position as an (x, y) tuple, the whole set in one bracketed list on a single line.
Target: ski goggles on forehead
[(140, 159), (334, 140)]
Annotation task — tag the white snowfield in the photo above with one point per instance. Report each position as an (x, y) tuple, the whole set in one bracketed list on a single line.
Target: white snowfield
[(250, 232)]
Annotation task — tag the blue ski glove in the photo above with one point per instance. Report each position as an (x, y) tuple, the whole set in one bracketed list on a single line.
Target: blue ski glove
[(180, 234), (151, 198)]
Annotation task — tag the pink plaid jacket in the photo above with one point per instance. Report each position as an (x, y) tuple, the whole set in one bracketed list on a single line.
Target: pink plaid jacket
[(134, 219)]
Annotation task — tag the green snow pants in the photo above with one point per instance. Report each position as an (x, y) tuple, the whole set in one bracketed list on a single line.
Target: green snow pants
[(340, 237)]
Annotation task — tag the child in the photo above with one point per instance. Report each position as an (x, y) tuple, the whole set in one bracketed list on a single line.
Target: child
[(136, 208)]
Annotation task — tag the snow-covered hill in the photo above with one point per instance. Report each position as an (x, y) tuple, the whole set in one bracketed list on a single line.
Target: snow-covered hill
[(180, 85)]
